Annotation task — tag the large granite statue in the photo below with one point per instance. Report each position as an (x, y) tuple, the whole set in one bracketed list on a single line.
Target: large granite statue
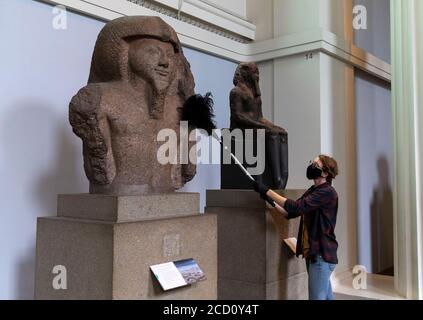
[(139, 79), (246, 113)]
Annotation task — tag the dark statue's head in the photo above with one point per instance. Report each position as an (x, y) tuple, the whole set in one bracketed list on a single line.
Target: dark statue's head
[(248, 74)]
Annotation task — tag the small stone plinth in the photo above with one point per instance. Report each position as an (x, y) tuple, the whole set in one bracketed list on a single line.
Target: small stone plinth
[(253, 262)]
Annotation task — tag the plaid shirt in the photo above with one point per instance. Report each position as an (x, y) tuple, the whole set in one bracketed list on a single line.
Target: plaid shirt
[(318, 208)]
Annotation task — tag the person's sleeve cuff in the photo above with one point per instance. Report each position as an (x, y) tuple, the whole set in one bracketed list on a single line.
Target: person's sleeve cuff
[(290, 207)]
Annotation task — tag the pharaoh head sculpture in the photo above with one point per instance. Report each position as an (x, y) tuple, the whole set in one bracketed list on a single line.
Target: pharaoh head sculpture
[(139, 79), (135, 48)]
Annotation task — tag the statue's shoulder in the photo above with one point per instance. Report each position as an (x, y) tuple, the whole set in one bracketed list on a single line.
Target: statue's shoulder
[(238, 92), (89, 98), (241, 90)]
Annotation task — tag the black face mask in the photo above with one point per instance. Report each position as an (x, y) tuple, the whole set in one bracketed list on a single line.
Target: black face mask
[(313, 172)]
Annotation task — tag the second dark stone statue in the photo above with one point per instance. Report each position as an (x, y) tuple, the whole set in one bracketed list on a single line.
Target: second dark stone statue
[(246, 113)]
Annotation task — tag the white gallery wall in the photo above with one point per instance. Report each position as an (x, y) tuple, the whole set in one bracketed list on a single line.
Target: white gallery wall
[(312, 96), (375, 179), (39, 155), (376, 38), (374, 145), (314, 101), (237, 7), (327, 107)]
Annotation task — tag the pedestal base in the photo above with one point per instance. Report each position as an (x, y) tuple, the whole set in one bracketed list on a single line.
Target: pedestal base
[(253, 262), (111, 260)]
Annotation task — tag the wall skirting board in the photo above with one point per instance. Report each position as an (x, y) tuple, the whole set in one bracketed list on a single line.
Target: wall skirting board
[(212, 29)]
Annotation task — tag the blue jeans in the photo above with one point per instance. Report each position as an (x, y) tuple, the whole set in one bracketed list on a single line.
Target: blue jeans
[(319, 286)]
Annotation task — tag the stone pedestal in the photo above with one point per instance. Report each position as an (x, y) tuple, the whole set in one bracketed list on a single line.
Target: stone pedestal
[(108, 243), (253, 262)]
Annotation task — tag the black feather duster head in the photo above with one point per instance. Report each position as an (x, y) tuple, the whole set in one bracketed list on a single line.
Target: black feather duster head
[(198, 111)]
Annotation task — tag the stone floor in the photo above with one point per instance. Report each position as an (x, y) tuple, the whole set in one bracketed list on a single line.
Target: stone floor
[(379, 287), (340, 296)]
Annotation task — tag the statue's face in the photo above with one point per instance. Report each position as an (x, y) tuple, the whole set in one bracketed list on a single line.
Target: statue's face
[(251, 77), (153, 60)]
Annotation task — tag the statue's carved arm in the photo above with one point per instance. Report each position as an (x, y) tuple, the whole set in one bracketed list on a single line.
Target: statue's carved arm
[(272, 127), (90, 124)]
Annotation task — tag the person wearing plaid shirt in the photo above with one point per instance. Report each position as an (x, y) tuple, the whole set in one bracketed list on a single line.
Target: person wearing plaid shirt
[(317, 209)]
